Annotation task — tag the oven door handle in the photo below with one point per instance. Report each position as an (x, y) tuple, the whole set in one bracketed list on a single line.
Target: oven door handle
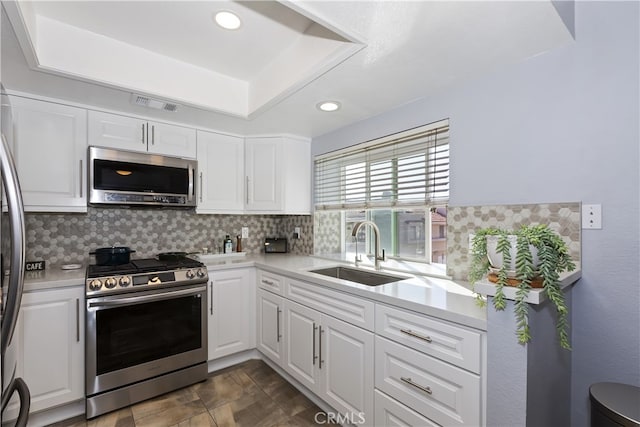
[(147, 298)]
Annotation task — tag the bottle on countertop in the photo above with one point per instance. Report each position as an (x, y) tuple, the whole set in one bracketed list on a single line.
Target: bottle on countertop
[(238, 243), (228, 245)]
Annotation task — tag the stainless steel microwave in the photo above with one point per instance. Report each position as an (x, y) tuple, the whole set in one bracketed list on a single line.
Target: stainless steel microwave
[(118, 177)]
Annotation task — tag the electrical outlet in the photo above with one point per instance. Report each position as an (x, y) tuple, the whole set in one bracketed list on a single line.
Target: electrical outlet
[(296, 232), (245, 232), (592, 217)]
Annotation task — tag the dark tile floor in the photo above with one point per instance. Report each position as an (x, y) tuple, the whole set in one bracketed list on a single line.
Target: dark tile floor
[(249, 394)]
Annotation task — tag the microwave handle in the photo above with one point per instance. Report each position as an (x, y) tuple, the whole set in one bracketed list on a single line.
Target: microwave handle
[(192, 187)]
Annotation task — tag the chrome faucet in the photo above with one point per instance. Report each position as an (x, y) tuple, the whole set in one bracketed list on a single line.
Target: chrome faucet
[(376, 231)]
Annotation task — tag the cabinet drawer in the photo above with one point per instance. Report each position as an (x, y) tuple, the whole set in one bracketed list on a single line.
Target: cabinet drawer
[(446, 341), (437, 390), (270, 281), (390, 413), (354, 310)]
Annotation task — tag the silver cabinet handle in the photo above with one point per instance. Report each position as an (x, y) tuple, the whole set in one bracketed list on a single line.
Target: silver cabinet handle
[(81, 178), (415, 335), (268, 282), (211, 296), (278, 324), (416, 385), (153, 134), (315, 328), (77, 319), (143, 141), (200, 187), (247, 188), (320, 348)]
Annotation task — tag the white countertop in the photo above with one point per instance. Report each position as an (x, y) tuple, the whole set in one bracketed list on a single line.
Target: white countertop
[(436, 297), (53, 278)]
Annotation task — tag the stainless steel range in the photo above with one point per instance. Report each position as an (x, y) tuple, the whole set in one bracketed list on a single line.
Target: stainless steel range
[(146, 331)]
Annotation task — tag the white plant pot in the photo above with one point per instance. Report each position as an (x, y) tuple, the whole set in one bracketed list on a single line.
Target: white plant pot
[(495, 257)]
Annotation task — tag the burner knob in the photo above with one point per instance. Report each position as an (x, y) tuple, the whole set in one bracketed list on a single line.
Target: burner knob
[(95, 285), (190, 274), (201, 273), (125, 281), (110, 283)]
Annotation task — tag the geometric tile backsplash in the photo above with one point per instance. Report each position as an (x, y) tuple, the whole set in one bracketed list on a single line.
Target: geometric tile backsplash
[(68, 238), (63, 238), (563, 218)]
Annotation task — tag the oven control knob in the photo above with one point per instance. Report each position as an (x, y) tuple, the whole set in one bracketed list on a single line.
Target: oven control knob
[(95, 284), (201, 273), (125, 281), (110, 283), (190, 274)]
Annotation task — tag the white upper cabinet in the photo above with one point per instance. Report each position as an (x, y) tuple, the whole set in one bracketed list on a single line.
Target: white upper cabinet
[(264, 180), (50, 150), (134, 134), (220, 182), (171, 140), (278, 175), (114, 131)]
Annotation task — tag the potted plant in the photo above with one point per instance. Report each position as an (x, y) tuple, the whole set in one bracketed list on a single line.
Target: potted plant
[(532, 256)]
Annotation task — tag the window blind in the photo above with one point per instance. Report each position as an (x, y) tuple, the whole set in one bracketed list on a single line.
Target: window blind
[(410, 168)]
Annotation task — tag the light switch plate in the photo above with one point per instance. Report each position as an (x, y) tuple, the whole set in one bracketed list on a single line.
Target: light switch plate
[(592, 217), (245, 232)]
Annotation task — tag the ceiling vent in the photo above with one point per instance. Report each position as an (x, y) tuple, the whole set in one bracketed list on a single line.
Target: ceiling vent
[(145, 101)]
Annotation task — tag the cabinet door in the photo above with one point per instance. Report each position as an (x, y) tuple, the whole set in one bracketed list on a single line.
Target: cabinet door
[(301, 355), (347, 356), (115, 131), (50, 348), (231, 312), (50, 150), (221, 173), (171, 140), (391, 413), (263, 171), (270, 328)]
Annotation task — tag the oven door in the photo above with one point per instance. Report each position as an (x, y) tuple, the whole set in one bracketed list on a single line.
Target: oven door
[(136, 336)]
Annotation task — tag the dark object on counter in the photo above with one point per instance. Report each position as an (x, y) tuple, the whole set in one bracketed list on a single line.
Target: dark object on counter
[(174, 256), (614, 405), (115, 255), (238, 244), (275, 245)]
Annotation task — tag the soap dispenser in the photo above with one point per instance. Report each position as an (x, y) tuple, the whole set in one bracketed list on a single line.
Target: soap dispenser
[(228, 245)]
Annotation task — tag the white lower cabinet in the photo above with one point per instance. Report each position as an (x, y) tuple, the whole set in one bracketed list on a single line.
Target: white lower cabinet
[(372, 363), (332, 358), (441, 392), (50, 347), (346, 381), (270, 326), (391, 413), (231, 311)]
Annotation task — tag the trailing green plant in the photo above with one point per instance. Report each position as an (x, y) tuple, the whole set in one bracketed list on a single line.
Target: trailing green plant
[(553, 258)]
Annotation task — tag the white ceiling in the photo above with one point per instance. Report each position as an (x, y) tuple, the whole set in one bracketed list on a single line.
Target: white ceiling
[(268, 76)]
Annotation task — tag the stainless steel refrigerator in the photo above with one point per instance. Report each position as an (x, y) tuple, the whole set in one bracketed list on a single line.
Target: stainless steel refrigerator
[(12, 254)]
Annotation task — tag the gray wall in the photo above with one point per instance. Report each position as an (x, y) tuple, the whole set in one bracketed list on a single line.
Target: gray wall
[(564, 126)]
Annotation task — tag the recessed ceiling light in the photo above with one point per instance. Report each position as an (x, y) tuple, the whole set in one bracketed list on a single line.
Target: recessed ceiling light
[(228, 20), (328, 106)]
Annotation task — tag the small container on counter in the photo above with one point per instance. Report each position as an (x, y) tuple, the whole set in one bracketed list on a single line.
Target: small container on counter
[(228, 245)]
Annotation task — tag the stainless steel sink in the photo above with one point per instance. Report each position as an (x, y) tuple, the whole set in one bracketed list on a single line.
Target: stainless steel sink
[(363, 277)]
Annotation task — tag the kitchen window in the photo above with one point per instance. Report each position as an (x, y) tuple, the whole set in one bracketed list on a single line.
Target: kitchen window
[(400, 182)]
